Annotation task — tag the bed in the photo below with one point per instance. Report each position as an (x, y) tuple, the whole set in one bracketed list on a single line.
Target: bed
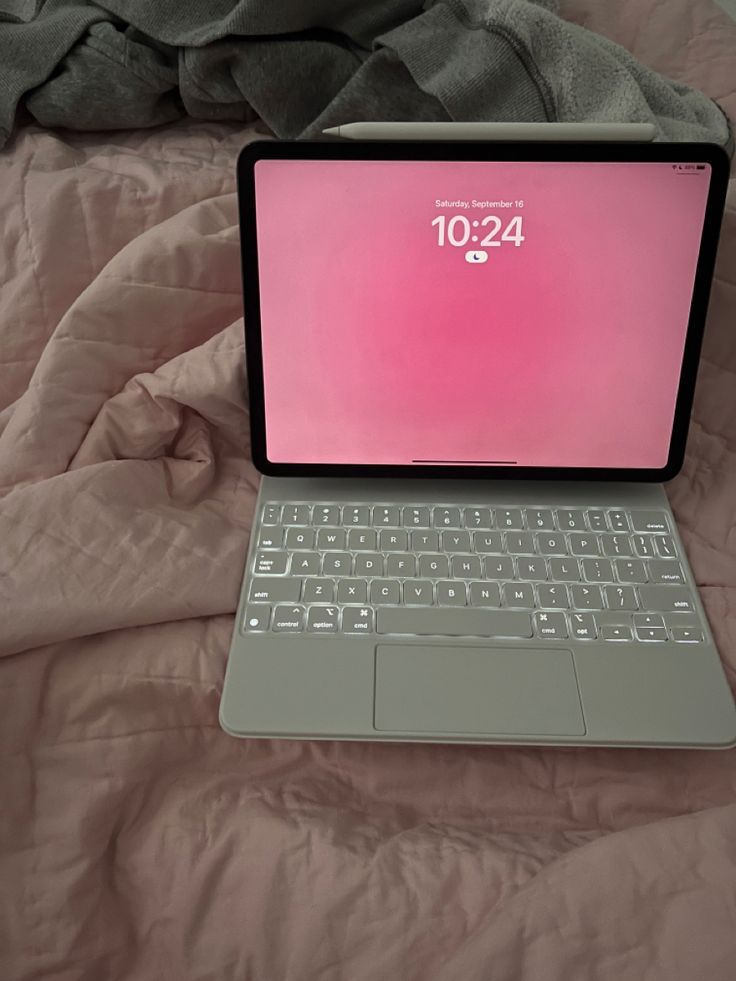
[(138, 840)]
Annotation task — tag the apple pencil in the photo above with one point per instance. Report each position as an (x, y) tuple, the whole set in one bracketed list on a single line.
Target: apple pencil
[(578, 132)]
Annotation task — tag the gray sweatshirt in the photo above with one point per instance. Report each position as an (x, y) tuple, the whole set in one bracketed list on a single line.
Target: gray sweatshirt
[(302, 65)]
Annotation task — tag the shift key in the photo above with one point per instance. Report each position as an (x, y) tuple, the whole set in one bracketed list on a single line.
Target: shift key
[(274, 590), (453, 622), (666, 599)]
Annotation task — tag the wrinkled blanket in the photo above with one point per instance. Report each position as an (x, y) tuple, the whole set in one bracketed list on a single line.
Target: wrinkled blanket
[(302, 65), (137, 840)]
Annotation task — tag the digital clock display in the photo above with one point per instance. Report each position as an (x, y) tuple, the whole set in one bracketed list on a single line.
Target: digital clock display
[(519, 313), (456, 230)]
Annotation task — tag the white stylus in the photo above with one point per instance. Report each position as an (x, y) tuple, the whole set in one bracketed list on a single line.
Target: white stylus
[(576, 132)]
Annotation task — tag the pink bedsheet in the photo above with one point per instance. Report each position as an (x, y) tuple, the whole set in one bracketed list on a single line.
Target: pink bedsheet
[(137, 840)]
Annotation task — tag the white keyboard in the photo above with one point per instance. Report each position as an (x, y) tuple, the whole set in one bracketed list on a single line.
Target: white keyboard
[(511, 572)]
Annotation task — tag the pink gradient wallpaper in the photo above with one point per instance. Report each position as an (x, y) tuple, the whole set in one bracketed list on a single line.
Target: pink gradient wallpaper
[(552, 336)]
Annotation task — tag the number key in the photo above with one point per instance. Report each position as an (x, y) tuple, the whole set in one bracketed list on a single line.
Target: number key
[(570, 520), (327, 514), (509, 518), (447, 517), (540, 519), (477, 517), (386, 516), (296, 514)]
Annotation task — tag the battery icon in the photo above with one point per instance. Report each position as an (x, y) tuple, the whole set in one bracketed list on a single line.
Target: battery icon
[(700, 167)]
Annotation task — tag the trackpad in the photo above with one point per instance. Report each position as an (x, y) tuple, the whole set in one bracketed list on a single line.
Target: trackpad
[(492, 690)]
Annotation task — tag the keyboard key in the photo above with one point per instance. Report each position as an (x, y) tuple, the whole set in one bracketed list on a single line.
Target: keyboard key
[(616, 545), (570, 520), (451, 593), (531, 569), (586, 597), (584, 545), (256, 617), (357, 620), (322, 619), (619, 520), (288, 619), (271, 537), (582, 626), (393, 541), (519, 594), (651, 633), (553, 544), (499, 567), (643, 546), (416, 517), (666, 599), (662, 571), (386, 516), (485, 594), (477, 517), (465, 566), (687, 635), (597, 570), (665, 546), (519, 542), (271, 514), (275, 590), (631, 570), (551, 626), (368, 564), (597, 521), (620, 598), (615, 631), (564, 570), (446, 517), (469, 622), (337, 564), (352, 591), (655, 521), (333, 539), (362, 540), (318, 591), (511, 518), (418, 592), (433, 566), (326, 514), (540, 519), (356, 515), (270, 563), (401, 564), (553, 597), (385, 591), (424, 541), (488, 541), (648, 620), (455, 541), (299, 538), (296, 514), (305, 564)]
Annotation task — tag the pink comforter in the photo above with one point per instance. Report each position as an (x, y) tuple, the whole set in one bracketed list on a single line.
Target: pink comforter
[(137, 840)]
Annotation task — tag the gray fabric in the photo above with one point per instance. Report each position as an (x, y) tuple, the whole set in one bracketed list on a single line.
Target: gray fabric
[(302, 65)]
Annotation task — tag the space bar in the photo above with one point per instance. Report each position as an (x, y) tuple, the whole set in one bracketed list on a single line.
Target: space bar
[(454, 623)]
